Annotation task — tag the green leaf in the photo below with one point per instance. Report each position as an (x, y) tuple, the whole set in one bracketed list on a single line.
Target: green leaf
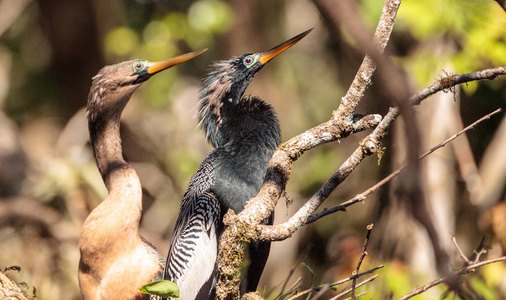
[(313, 277), (309, 269), (163, 288)]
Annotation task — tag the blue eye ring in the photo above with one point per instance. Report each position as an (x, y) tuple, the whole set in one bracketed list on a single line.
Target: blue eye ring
[(139, 66), (249, 60)]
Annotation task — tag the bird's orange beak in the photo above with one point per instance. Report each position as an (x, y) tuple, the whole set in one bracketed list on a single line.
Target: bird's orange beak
[(268, 55), (162, 65)]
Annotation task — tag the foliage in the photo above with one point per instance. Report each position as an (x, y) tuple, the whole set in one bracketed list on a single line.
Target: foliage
[(472, 32), (161, 140), (163, 288)]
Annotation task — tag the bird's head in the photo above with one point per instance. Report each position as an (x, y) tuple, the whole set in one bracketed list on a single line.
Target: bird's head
[(228, 80), (113, 85), (246, 66)]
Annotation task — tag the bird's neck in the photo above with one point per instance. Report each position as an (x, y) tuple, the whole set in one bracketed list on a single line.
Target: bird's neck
[(246, 139), (121, 211), (219, 88), (106, 140), (249, 123)]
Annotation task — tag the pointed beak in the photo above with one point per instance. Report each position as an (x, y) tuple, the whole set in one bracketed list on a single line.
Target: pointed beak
[(162, 65), (268, 55)]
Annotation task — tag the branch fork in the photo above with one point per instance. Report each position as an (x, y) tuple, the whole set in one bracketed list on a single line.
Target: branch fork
[(246, 226)]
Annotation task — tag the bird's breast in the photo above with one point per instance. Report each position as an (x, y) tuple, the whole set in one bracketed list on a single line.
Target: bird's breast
[(121, 274)]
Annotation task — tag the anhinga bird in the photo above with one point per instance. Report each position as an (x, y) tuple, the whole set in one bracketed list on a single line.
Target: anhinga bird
[(244, 132), (115, 261)]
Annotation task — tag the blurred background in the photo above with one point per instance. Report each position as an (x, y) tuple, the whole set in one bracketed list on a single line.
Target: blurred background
[(50, 49)]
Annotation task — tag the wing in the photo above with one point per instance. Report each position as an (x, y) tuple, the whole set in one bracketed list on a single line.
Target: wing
[(191, 262)]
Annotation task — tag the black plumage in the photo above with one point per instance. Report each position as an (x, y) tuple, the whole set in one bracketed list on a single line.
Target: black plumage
[(244, 131)]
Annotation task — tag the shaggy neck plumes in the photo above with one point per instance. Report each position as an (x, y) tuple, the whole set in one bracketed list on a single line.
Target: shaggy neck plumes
[(221, 101), (244, 131)]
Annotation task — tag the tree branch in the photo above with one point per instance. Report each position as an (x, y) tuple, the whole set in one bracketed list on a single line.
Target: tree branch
[(460, 272), (361, 259), (318, 288), (338, 296), (501, 3), (344, 14), (304, 215), (9, 289), (244, 226), (462, 255), (280, 167), (362, 196)]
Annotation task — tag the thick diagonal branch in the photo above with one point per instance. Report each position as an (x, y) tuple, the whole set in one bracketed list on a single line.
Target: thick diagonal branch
[(280, 167), (368, 146)]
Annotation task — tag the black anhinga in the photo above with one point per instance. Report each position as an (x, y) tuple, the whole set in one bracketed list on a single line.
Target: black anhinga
[(244, 132), (115, 261)]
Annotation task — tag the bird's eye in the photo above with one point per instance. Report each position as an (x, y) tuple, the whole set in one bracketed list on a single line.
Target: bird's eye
[(248, 61), (138, 66)]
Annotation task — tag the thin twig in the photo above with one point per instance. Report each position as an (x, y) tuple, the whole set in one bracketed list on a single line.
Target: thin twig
[(303, 215), (361, 259), (320, 293), (480, 249), (291, 289), (361, 294), (462, 271), (457, 283), (462, 255), (282, 294), (317, 288), (358, 285), (362, 196)]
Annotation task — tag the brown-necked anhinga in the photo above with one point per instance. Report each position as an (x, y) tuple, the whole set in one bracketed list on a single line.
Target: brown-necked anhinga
[(115, 261), (244, 132)]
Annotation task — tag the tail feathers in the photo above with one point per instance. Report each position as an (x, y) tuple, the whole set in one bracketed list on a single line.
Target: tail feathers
[(191, 262), (258, 254)]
